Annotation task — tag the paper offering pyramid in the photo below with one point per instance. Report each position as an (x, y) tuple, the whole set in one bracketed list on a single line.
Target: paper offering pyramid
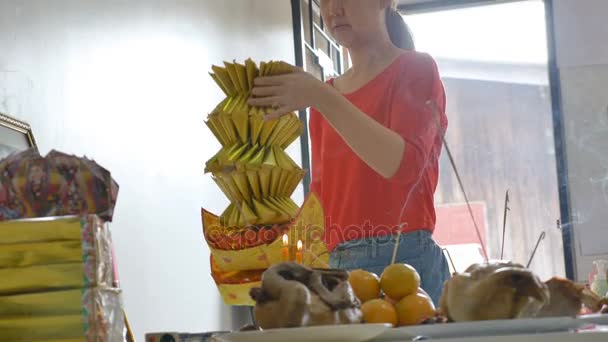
[(262, 223)]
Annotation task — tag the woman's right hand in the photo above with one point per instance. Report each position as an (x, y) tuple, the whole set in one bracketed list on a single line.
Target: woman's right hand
[(287, 93)]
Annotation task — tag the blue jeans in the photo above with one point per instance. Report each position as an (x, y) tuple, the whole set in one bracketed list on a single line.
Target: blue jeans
[(417, 249)]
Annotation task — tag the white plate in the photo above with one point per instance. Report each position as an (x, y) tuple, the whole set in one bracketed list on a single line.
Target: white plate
[(599, 319), (350, 332), (483, 328)]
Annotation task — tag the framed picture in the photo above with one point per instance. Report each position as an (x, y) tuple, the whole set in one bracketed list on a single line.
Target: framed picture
[(15, 135)]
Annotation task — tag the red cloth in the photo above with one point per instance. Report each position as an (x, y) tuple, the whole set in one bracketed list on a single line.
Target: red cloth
[(358, 202)]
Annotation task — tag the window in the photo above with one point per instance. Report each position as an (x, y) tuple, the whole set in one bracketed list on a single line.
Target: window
[(493, 62)]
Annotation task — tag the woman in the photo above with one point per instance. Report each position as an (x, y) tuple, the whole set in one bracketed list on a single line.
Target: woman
[(376, 138)]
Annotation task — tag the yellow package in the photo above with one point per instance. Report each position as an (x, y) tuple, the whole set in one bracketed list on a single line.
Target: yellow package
[(42, 249), (41, 278), (40, 253), (42, 304), (40, 230), (89, 314), (28, 329)]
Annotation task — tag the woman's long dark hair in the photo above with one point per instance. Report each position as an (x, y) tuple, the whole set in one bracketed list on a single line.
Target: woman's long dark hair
[(400, 33)]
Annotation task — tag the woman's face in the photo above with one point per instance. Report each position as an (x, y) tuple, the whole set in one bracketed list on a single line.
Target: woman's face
[(353, 22)]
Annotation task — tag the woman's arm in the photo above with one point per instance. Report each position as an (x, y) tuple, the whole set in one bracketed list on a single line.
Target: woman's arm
[(379, 147), (397, 151)]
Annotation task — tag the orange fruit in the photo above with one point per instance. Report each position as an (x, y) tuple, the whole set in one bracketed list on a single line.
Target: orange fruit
[(413, 309), (421, 291), (399, 280), (390, 300), (379, 311), (366, 285)]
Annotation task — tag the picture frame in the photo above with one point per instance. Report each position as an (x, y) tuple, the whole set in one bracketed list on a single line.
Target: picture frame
[(15, 136)]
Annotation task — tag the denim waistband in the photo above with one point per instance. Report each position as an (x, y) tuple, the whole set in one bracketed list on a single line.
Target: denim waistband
[(418, 237)]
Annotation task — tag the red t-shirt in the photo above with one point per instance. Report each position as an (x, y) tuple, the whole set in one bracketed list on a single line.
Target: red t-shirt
[(357, 201)]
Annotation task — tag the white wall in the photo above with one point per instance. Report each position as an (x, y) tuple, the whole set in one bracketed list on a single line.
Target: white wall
[(582, 57), (126, 82)]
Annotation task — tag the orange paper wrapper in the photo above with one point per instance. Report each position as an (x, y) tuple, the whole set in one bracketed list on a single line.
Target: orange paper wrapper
[(306, 226)]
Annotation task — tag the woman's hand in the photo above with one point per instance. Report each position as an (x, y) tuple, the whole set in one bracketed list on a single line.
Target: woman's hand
[(286, 93)]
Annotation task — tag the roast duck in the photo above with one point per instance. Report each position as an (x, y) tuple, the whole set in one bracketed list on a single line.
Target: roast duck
[(292, 295), (505, 290)]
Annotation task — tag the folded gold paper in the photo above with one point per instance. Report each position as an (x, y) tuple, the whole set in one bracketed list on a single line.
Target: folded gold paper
[(41, 278), (40, 253), (28, 329), (67, 302), (307, 225), (258, 177), (89, 314), (40, 230)]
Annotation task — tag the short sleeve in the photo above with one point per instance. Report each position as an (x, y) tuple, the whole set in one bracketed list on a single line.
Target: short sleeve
[(417, 114)]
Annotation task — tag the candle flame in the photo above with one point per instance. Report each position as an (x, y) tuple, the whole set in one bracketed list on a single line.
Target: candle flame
[(285, 240), (299, 246)]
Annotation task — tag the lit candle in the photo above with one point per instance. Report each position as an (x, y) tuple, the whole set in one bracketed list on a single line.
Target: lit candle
[(285, 248), (299, 252)]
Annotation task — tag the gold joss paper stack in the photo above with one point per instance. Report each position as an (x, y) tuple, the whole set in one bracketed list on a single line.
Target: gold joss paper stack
[(252, 168), (261, 225), (57, 281)]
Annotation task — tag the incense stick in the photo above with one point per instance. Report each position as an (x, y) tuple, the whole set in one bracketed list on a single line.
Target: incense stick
[(504, 225), (460, 183), (129, 334), (396, 244), (445, 250), (540, 238)]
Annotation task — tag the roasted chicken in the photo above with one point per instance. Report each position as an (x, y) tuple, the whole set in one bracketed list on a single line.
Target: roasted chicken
[(495, 290), (294, 296), (567, 298), (502, 290)]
